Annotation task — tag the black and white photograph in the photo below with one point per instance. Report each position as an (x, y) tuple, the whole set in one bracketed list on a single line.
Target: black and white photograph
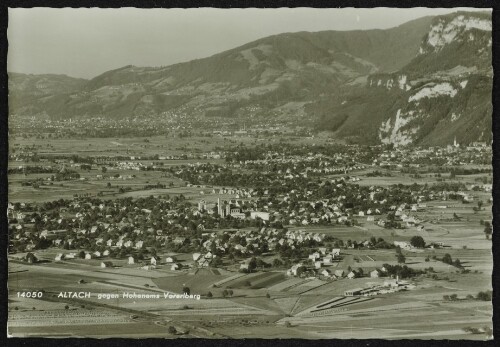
[(272, 173)]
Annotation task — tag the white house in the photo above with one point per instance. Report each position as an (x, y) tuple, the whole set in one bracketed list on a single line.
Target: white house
[(106, 264), (153, 260), (325, 273), (261, 215), (403, 245)]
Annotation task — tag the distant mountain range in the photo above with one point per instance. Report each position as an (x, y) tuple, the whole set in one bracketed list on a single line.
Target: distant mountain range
[(425, 82)]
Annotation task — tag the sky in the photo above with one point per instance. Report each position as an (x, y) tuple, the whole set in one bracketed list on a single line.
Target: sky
[(87, 42)]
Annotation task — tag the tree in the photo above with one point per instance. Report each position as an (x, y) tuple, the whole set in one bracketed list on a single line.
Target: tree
[(484, 296), (300, 270), (225, 293), (277, 262), (447, 259), (186, 290), (401, 258), (479, 205), (81, 255), (417, 241), (172, 330), (488, 230), (209, 295), (252, 264), (268, 296)]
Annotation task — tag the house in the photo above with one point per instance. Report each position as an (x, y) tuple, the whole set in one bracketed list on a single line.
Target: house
[(325, 273), (328, 259), (353, 292), (169, 260), (318, 264), (88, 256), (375, 273), (261, 215), (179, 240), (105, 253), (196, 256), (131, 260), (97, 254), (175, 267), (154, 260), (293, 271), (59, 257), (351, 275), (403, 245), (209, 255), (106, 264), (339, 273), (202, 262), (335, 252)]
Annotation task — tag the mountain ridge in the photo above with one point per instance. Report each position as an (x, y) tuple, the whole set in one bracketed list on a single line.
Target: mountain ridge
[(342, 81)]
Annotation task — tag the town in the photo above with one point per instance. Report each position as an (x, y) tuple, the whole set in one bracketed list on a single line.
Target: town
[(276, 234)]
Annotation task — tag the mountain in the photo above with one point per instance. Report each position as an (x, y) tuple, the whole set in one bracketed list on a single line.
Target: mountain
[(27, 90), (420, 83), (442, 94)]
